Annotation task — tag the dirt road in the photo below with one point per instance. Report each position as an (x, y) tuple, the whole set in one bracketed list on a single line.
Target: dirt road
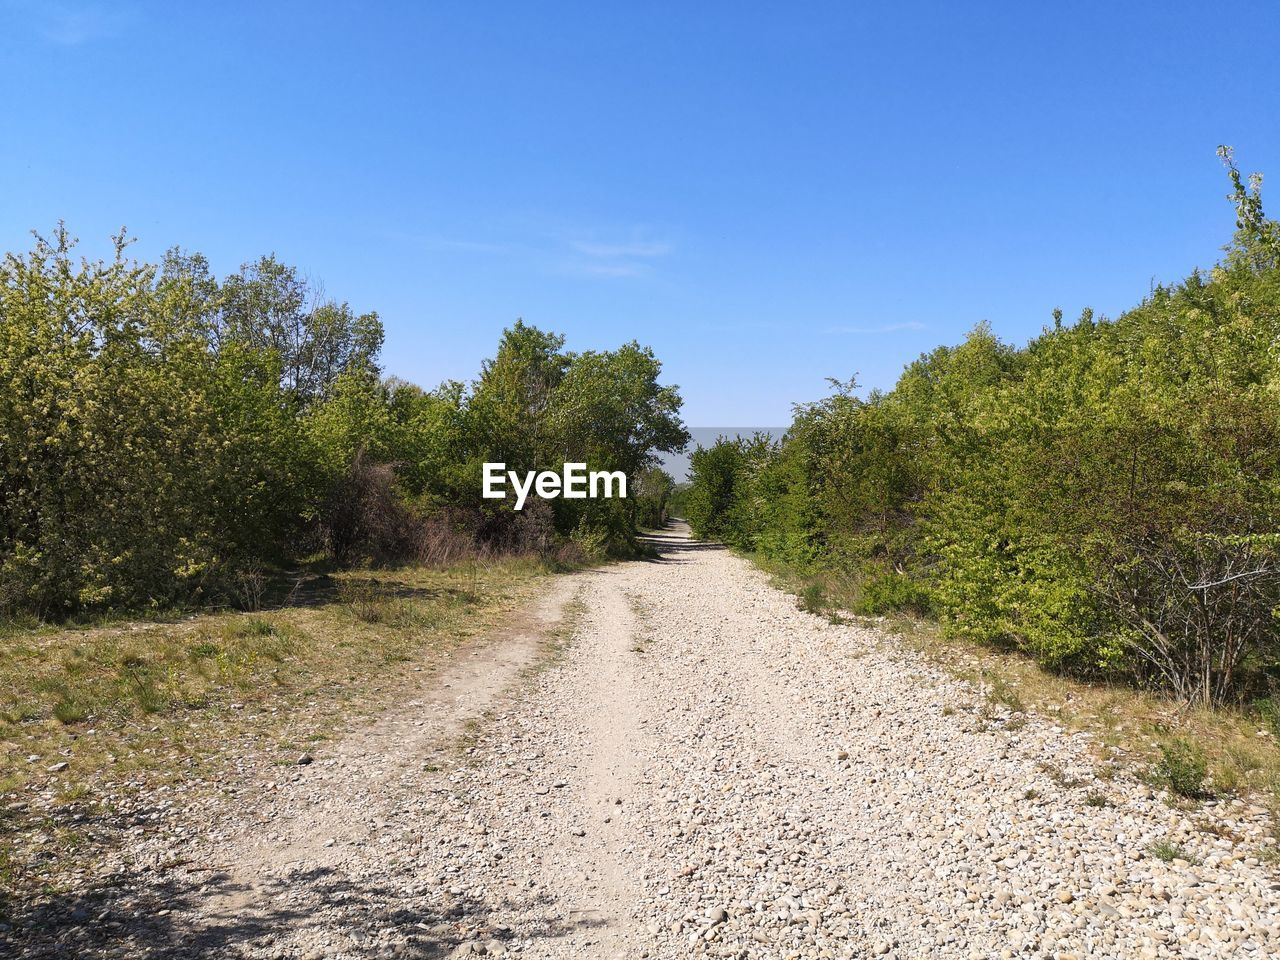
[(703, 769)]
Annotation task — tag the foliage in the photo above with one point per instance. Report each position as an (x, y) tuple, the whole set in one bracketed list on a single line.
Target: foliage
[(1182, 767), (651, 490), (1106, 498), (137, 464), (166, 437)]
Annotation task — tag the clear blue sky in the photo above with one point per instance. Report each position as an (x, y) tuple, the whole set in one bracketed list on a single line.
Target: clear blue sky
[(769, 194)]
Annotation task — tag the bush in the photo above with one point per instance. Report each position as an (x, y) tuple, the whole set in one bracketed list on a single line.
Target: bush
[(1182, 767), (167, 438), (1106, 498), (364, 518), (888, 591), (651, 491)]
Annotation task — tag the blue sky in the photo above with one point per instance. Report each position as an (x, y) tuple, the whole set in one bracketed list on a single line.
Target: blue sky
[(769, 194)]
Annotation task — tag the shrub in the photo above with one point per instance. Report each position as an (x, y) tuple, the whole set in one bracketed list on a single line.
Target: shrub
[(364, 518), (1182, 767), (888, 591), (1106, 498), (167, 438), (813, 598)]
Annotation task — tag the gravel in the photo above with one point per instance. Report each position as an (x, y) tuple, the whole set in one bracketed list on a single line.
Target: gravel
[(704, 770)]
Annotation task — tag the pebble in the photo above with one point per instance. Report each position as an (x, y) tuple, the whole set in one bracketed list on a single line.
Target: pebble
[(950, 835)]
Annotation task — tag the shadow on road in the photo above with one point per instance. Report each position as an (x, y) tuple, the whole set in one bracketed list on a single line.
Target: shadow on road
[(675, 545), (165, 915)]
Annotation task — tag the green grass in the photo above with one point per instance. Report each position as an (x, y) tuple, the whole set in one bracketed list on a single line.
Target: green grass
[(1182, 768), (1168, 852), (169, 700)]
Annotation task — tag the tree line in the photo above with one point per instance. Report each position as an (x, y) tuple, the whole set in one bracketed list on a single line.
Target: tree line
[(1105, 498), (169, 438)]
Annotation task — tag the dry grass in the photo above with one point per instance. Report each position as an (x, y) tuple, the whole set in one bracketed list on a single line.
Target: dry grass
[(129, 706), (1131, 727)]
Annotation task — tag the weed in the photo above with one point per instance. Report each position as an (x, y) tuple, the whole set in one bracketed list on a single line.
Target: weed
[(1095, 798), (204, 650), (1005, 695), (70, 710), (20, 712), (74, 792), (1059, 776), (1168, 852), (1182, 768), (252, 627), (813, 599)]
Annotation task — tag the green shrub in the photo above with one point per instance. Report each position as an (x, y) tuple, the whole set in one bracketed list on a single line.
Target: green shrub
[(1105, 498), (813, 598), (174, 439), (1182, 767), (888, 591)]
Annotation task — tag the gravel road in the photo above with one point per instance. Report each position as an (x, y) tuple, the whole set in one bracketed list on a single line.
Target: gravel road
[(703, 770)]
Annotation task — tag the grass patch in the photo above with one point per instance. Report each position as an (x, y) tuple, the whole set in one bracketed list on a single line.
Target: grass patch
[(1168, 852), (145, 703)]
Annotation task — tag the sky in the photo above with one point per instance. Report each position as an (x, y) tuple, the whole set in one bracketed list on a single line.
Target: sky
[(767, 194)]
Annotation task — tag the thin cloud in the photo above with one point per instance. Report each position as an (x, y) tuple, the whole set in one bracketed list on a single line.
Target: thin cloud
[(615, 258), (553, 251), (887, 328), (612, 251), (609, 269), (74, 24)]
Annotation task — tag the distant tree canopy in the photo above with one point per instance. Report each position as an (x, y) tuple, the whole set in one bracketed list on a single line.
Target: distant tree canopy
[(164, 433), (1106, 498)]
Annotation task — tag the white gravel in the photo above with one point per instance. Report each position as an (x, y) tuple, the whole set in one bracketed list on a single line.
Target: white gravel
[(707, 770)]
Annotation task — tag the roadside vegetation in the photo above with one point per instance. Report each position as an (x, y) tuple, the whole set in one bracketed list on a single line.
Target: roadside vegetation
[(169, 440), (223, 531), (93, 719), (1096, 513)]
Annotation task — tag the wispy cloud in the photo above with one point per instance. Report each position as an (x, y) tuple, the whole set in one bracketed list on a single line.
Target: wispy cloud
[(563, 251), (636, 249), (609, 269), (632, 257), (886, 328), (71, 24)]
